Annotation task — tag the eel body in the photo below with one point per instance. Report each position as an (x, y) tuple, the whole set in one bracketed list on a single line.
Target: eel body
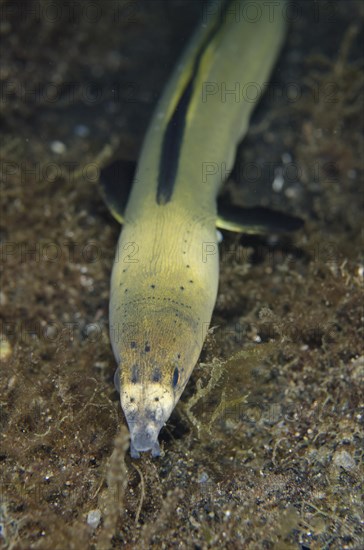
[(165, 276)]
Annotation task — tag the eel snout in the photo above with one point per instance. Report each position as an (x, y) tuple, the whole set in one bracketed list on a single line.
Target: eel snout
[(146, 410), (144, 437)]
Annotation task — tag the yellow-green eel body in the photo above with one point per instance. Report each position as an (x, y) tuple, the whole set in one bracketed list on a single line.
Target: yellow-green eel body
[(165, 276)]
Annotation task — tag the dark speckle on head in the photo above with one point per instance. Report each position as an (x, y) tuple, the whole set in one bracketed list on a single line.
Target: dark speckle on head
[(147, 347), (135, 374), (182, 287), (152, 286), (157, 375), (133, 345)]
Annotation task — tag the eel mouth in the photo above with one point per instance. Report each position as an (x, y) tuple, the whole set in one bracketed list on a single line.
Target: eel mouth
[(144, 437)]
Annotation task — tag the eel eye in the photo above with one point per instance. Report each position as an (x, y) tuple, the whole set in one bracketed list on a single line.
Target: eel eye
[(175, 377)]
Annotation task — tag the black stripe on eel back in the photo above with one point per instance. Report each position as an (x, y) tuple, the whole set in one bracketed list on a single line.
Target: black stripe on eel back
[(173, 135)]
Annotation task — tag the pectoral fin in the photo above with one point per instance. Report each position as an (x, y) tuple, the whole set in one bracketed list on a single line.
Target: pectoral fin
[(116, 181), (117, 379), (255, 220)]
